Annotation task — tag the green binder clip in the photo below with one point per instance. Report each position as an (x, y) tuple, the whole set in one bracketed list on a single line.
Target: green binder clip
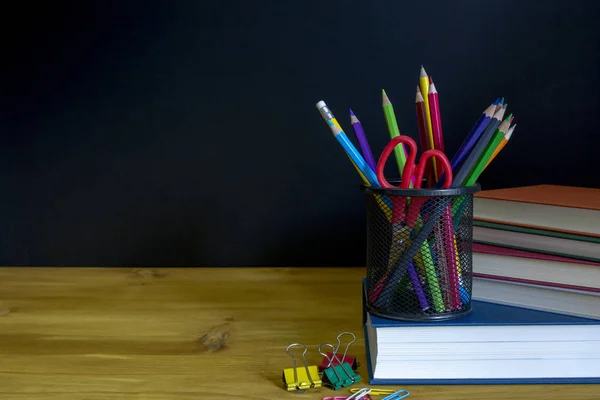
[(339, 375)]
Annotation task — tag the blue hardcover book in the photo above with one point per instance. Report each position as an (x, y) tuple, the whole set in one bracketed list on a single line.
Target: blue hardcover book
[(494, 344)]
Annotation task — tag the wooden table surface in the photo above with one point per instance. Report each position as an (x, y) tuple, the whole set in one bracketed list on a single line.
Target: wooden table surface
[(116, 333)]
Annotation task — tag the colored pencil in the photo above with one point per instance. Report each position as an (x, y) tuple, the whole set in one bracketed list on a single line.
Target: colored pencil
[(422, 128), (416, 283), (424, 84), (500, 104), (390, 119), (327, 114), (473, 136), (459, 206), (487, 153), (366, 173), (503, 143), (436, 118), (471, 159), (436, 121), (354, 155), (362, 140)]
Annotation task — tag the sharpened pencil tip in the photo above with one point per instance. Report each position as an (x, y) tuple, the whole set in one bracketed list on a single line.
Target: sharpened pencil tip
[(385, 98), (509, 118), (351, 113), (418, 89), (423, 73), (419, 97), (432, 88), (496, 102), (510, 132), (502, 100)]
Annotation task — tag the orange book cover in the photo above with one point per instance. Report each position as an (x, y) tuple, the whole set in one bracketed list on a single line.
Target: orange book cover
[(547, 195), (553, 195)]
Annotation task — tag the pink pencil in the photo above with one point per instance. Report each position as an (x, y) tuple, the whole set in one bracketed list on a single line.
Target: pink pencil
[(436, 119)]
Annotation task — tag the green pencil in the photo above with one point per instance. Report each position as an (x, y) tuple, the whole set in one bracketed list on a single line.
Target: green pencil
[(390, 119), (487, 153)]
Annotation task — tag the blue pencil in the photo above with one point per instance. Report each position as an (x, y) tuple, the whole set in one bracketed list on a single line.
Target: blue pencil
[(470, 140), (460, 176), (354, 155), (476, 131)]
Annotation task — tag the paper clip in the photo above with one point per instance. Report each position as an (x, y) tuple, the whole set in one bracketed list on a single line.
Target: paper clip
[(326, 363), (380, 392), (303, 378), (400, 394), (340, 375), (359, 394)]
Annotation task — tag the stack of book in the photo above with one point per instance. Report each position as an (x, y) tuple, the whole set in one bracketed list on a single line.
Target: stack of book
[(536, 300), (494, 344), (538, 247)]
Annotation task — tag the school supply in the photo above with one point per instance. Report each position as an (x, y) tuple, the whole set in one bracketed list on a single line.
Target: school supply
[(400, 394), (300, 379), (375, 392), (409, 220), (539, 241), (495, 344), (436, 120), (357, 394), (487, 152), (503, 143), (390, 119), (422, 129), (330, 360), (472, 157), (362, 140), (473, 136), (574, 210), (419, 266), (339, 375), (366, 173), (424, 85)]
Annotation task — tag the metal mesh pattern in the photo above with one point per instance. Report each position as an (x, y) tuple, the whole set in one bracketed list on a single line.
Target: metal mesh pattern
[(419, 256)]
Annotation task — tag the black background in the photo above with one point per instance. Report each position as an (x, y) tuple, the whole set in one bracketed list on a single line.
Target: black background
[(185, 133)]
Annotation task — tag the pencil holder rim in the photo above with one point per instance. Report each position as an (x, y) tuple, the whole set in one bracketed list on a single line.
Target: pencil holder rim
[(428, 192)]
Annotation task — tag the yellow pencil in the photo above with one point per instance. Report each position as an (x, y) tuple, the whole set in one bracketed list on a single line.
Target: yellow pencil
[(424, 84), (503, 143)]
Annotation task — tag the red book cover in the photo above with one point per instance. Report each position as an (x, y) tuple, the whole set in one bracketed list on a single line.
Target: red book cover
[(504, 251)]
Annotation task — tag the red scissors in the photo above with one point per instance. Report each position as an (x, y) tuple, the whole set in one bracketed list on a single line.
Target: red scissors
[(410, 169)]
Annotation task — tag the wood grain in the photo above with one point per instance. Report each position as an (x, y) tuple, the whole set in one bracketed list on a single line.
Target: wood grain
[(116, 333)]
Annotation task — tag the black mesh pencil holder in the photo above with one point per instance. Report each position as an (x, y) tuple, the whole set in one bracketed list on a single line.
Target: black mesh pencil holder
[(419, 252)]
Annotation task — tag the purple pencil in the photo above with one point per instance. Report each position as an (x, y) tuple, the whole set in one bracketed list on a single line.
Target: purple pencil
[(362, 141), (414, 278)]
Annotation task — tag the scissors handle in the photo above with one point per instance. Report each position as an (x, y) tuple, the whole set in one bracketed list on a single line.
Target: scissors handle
[(412, 215), (442, 159), (409, 166)]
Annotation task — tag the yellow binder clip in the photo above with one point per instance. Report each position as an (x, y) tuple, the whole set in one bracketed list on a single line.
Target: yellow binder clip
[(300, 379)]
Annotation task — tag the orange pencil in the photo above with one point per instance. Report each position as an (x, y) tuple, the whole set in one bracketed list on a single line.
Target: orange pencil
[(503, 143)]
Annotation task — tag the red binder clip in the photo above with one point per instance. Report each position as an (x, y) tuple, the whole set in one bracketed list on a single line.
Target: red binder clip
[(330, 361)]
